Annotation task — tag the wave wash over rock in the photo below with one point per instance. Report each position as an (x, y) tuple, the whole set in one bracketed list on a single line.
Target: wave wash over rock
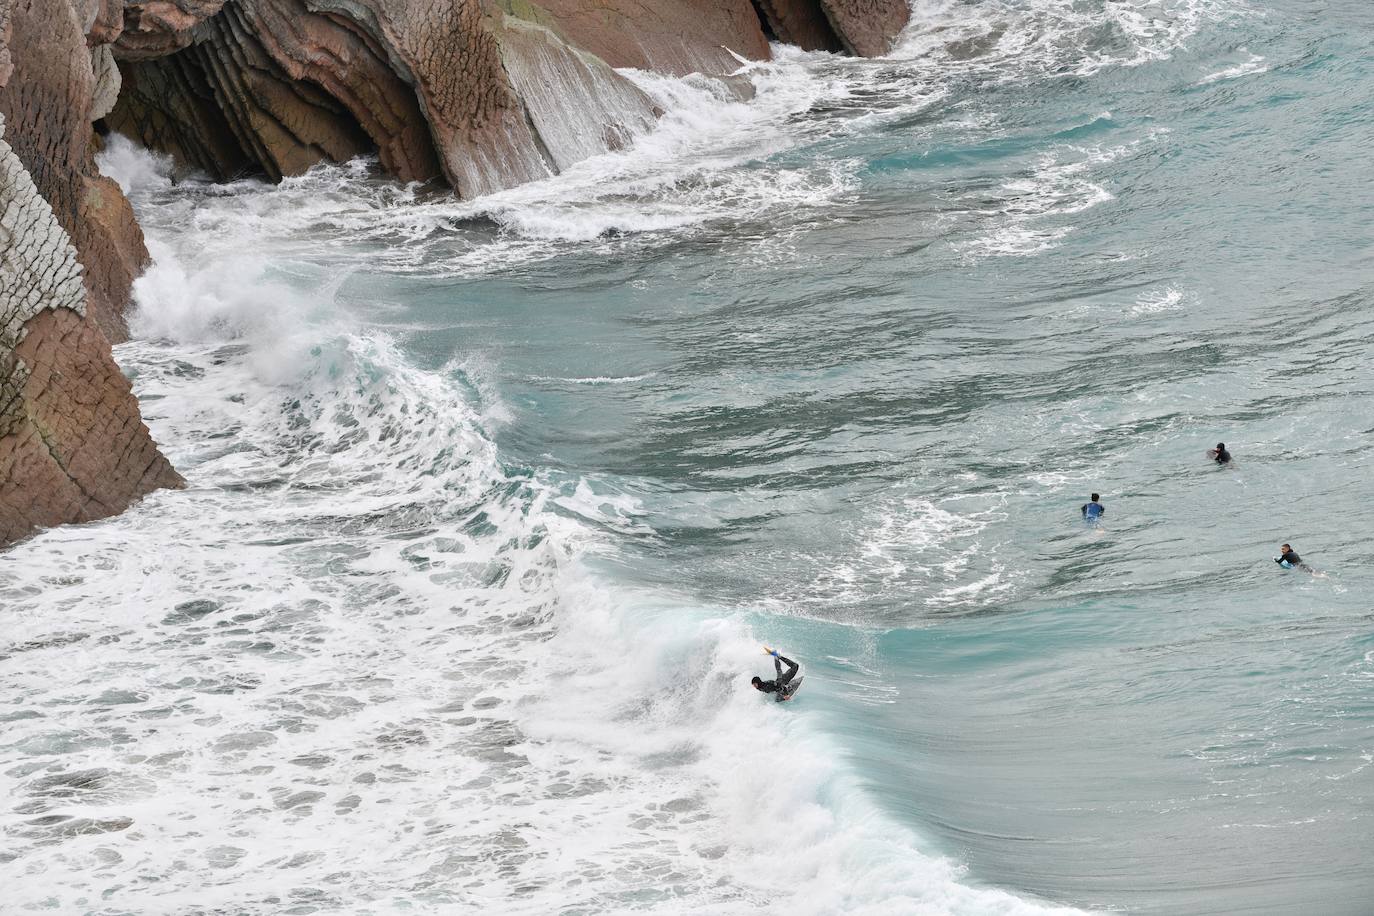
[(478, 94), (485, 94)]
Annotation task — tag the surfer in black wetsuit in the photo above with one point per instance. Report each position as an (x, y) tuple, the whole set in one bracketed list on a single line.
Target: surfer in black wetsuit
[(1219, 454), (778, 684), (1290, 556)]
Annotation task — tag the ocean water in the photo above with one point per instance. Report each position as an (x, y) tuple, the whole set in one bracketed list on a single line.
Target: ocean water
[(491, 505)]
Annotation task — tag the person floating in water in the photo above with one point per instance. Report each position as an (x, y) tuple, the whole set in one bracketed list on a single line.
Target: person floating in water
[(778, 685), (1288, 558), (1219, 454), (1094, 510)]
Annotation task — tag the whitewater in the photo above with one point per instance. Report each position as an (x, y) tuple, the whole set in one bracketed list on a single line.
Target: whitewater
[(492, 503)]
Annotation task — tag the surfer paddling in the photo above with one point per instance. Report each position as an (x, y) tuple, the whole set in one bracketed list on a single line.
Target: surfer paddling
[(782, 685), (1288, 558)]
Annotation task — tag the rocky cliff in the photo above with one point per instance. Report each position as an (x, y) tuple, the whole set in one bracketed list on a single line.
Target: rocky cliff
[(72, 445), (475, 94)]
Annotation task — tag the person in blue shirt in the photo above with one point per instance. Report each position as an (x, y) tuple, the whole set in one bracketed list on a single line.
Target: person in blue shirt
[(1094, 510)]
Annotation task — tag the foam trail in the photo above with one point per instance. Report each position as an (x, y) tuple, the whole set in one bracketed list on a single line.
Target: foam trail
[(361, 665)]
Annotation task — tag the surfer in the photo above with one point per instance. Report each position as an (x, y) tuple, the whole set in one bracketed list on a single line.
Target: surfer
[(778, 685), (1288, 558), (1094, 510), (1219, 454)]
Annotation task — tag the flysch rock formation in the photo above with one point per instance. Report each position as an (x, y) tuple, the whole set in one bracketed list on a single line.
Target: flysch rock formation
[(48, 102), (478, 95), (485, 94), (72, 445), (485, 97)]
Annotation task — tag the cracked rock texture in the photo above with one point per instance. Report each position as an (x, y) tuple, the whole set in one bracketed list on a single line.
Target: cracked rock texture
[(49, 101), (484, 96), (72, 445), (867, 28)]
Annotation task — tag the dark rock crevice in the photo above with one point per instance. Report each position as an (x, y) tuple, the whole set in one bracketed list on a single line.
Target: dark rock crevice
[(225, 106), (798, 22)]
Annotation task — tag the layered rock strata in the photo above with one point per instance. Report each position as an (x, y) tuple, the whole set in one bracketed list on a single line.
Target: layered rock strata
[(49, 101), (72, 445), (478, 96), (485, 94)]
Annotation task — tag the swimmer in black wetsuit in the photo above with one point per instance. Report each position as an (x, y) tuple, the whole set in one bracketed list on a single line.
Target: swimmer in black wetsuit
[(1290, 556), (1219, 454), (778, 684)]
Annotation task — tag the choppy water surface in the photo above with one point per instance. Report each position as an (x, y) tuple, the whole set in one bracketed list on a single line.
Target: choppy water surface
[(491, 504)]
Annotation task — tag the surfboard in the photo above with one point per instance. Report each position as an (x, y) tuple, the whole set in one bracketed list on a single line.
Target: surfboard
[(791, 689)]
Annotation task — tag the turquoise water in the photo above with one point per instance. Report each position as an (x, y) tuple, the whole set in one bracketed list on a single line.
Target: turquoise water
[(831, 369)]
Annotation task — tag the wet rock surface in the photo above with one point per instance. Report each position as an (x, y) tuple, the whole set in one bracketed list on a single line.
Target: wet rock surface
[(478, 94)]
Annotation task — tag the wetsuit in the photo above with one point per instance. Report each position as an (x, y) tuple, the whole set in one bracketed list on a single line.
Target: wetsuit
[(1221, 457), (1093, 511), (1290, 557), (779, 684)]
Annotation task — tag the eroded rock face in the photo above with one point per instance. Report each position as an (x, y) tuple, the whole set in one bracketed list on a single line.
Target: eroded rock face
[(72, 445), (49, 101), (867, 28), (800, 22), (676, 37), (439, 88), (157, 28), (485, 94)]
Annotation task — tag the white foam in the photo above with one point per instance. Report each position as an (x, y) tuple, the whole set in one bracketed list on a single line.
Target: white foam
[(1254, 65), (1028, 212), (703, 165), (1006, 40), (359, 665), (409, 690), (137, 171), (1155, 301), (594, 379)]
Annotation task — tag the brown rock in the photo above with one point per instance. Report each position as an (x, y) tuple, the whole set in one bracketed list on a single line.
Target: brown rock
[(169, 105), (335, 53), (159, 27), (48, 102), (801, 23), (72, 446), (450, 54), (438, 87), (227, 103), (667, 36), (74, 449), (867, 27)]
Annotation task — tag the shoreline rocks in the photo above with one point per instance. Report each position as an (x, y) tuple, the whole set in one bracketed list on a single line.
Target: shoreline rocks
[(480, 95)]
